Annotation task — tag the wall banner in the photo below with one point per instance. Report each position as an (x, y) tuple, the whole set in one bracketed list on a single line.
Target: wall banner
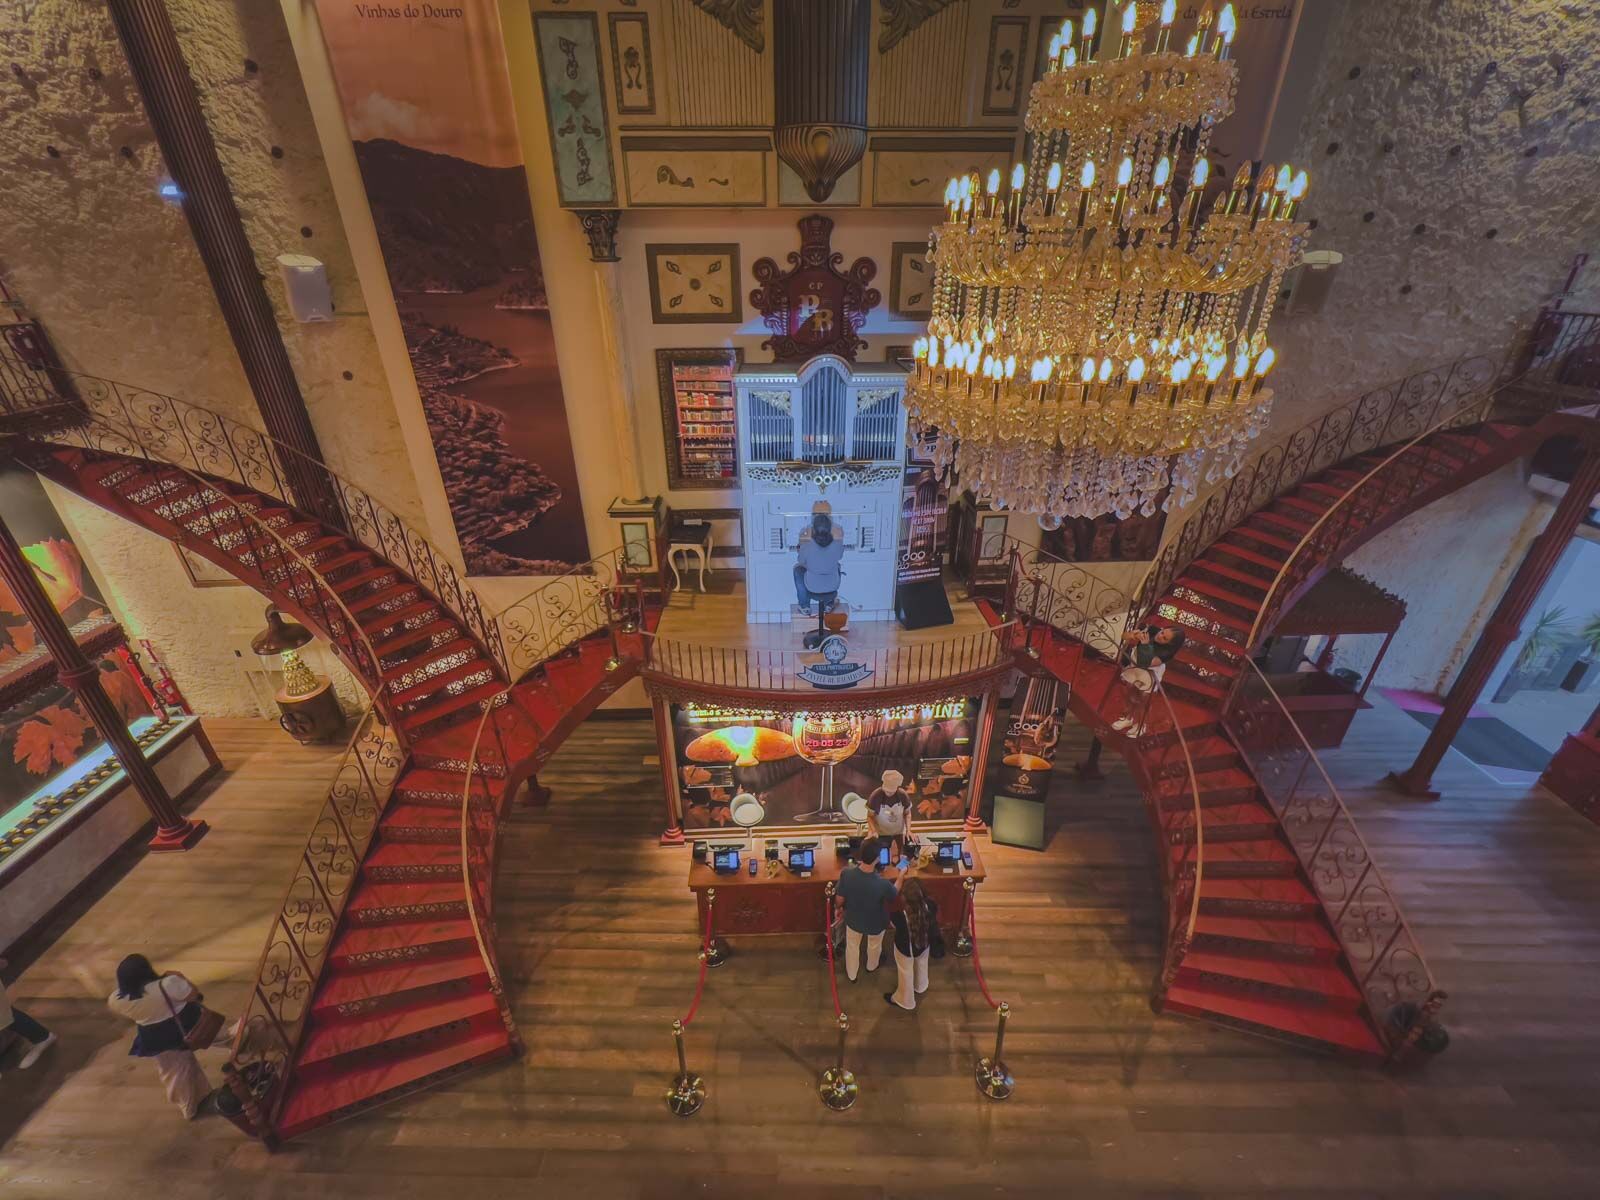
[(428, 104)]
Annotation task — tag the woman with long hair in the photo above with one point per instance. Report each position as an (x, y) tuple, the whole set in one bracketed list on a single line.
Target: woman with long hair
[(916, 925), (166, 1007)]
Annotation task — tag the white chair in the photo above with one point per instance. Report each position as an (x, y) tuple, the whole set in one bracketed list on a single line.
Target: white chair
[(690, 539), (855, 809)]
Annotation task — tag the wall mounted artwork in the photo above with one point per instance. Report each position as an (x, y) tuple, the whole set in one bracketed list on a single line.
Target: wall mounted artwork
[(911, 172), (575, 106), (428, 105), (632, 68), (814, 308), (910, 281), (1005, 75), (694, 284)]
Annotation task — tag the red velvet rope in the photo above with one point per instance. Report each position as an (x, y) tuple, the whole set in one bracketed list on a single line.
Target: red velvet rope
[(977, 967), (700, 985), (827, 934)]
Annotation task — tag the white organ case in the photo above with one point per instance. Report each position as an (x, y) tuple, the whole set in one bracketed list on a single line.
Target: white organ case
[(829, 430)]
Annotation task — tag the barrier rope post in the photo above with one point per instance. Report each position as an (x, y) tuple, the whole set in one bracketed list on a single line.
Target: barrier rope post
[(963, 944), (688, 1091), (837, 1087), (993, 1077), (716, 951)]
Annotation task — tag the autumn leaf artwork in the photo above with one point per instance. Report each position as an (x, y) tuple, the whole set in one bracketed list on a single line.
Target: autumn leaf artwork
[(51, 739)]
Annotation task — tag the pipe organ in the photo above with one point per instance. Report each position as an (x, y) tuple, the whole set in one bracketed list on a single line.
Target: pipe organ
[(829, 430)]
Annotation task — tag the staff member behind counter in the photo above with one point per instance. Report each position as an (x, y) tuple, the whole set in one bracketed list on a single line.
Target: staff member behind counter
[(889, 811)]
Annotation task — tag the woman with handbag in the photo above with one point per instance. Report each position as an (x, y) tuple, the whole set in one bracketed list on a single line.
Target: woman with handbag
[(172, 1024), (916, 928)]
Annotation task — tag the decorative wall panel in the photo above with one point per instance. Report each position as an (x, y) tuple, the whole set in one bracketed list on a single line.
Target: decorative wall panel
[(912, 172), (632, 66), (910, 281), (716, 78), (569, 59), (694, 284), (921, 80), (1004, 78), (695, 172)]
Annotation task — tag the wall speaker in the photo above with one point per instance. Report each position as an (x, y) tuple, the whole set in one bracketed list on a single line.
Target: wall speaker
[(305, 281)]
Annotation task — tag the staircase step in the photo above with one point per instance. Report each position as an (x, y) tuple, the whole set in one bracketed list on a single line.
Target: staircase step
[(381, 622), (1238, 576), (1308, 982), (361, 579), (378, 902), (435, 789), (1216, 592), (412, 861), (1281, 520), (389, 1032), (1266, 535), (1259, 858), (346, 994), (1249, 815), (1225, 545), (318, 1101), (1217, 788), (476, 664), (359, 947), (1334, 1028), (395, 642), (463, 705), (1179, 675), (1276, 898), (1303, 939), (404, 590), (421, 823), (1305, 504), (1197, 658), (1212, 616)]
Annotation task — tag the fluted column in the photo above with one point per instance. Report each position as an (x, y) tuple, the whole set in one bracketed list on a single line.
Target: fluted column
[(1504, 625), (173, 831), (173, 108), (980, 763)]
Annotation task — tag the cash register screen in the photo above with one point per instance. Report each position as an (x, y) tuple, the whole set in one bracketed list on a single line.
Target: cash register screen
[(725, 860), (949, 853), (883, 856), (802, 859)]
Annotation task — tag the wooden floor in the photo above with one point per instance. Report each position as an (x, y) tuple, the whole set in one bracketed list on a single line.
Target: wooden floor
[(1502, 886)]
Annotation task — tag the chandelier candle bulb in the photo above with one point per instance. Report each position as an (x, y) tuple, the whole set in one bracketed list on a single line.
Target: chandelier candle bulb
[(1169, 11), (1060, 56), (1130, 23), (1089, 19), (1226, 28), (1085, 186), (1202, 33)]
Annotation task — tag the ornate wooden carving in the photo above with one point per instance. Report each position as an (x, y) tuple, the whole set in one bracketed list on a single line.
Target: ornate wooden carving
[(600, 227), (743, 17), (813, 308), (821, 50), (900, 17)]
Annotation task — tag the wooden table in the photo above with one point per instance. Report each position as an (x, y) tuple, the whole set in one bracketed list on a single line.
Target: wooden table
[(783, 901)]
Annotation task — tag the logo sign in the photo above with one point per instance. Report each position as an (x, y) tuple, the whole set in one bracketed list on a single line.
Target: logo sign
[(834, 673)]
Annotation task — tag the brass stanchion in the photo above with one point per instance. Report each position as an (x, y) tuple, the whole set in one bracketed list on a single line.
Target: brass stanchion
[(716, 950), (688, 1092), (963, 946), (994, 1077), (838, 1086)]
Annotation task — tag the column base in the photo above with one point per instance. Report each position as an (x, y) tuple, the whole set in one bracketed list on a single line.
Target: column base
[(1401, 782), (534, 795), (672, 837), (181, 837), (974, 824)]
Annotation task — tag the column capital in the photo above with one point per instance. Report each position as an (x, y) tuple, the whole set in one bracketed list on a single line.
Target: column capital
[(600, 227)]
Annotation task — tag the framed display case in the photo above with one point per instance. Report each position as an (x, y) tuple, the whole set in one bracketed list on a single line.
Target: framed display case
[(697, 416)]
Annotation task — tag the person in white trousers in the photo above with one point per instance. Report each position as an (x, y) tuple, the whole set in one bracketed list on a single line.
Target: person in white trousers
[(866, 896), (914, 928)]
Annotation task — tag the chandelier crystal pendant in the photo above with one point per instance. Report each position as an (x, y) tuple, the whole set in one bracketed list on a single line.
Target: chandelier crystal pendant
[(1099, 329)]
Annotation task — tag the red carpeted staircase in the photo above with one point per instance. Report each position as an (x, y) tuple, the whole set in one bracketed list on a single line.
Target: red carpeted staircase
[(1264, 957), (403, 999)]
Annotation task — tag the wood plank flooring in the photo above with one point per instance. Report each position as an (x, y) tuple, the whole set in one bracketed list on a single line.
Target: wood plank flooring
[(1502, 886)]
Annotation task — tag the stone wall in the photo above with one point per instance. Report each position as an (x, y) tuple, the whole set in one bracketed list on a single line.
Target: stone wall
[(112, 271)]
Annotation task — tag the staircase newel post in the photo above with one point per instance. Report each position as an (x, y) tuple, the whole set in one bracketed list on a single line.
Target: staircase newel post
[(173, 830), (1504, 626)]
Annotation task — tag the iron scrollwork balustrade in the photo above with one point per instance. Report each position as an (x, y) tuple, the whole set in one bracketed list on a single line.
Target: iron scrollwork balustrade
[(275, 1016), (1458, 393), (558, 613), (1384, 955), (143, 423)]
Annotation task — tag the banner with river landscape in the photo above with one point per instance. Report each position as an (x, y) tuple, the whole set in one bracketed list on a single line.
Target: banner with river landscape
[(428, 105)]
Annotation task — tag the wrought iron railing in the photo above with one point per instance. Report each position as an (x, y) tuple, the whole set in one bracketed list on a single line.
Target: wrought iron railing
[(1384, 954), (303, 930), (881, 668), (167, 429), (1562, 354), (1391, 414), (561, 610)]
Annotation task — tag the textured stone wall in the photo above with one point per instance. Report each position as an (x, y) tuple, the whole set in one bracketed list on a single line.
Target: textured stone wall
[(1454, 152), (111, 269)]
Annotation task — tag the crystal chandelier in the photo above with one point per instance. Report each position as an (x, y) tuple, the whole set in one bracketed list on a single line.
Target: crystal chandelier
[(1099, 329)]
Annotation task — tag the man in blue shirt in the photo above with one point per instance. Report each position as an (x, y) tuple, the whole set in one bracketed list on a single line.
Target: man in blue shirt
[(865, 895), (816, 571)]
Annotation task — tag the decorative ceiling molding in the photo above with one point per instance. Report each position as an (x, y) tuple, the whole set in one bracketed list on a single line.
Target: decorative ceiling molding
[(741, 16), (900, 17)]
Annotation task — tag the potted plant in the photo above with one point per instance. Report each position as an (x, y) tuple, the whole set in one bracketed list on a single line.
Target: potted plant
[(1544, 639), (1583, 673)]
